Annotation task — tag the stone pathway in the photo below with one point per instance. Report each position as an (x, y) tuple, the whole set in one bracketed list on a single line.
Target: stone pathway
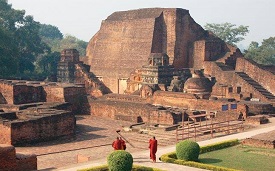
[(93, 140), (142, 157)]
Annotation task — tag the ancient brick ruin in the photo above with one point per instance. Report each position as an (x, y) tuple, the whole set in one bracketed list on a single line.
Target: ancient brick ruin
[(38, 111), (264, 140), (162, 59), (157, 66), (12, 161)]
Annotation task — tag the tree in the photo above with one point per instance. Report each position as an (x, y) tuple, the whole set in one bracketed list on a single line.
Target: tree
[(28, 48), (21, 42), (8, 54), (228, 32), (264, 53), (69, 41), (50, 32), (46, 64)]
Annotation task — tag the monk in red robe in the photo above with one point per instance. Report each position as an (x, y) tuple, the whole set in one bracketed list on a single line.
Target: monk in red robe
[(117, 144), (153, 144), (123, 144)]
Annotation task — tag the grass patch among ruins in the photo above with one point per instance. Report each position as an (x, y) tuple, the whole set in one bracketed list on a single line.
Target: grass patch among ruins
[(228, 155), (241, 157)]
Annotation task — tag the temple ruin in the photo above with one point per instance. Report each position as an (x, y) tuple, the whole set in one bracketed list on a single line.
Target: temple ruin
[(154, 65), (163, 58)]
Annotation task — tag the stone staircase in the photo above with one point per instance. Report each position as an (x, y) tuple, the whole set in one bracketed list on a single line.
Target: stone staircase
[(224, 67), (256, 85), (164, 138)]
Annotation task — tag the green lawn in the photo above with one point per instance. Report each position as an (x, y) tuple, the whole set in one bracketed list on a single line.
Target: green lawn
[(242, 158)]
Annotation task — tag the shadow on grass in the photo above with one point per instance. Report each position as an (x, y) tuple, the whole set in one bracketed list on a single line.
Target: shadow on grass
[(209, 160)]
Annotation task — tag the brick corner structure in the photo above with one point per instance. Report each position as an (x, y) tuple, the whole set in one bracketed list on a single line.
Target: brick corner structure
[(12, 161)]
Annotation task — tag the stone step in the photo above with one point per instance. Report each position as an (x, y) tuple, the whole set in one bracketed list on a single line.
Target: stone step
[(256, 85), (161, 140)]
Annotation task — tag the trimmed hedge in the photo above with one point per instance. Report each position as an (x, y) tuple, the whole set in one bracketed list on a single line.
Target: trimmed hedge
[(188, 150), (219, 145), (97, 168), (120, 160), (172, 157), (135, 168)]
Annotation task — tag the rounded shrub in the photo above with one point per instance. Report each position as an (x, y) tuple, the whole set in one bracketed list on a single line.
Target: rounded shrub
[(188, 150), (120, 160)]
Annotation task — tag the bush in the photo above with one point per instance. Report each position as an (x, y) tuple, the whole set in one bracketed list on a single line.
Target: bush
[(172, 156), (188, 150), (135, 168), (120, 160)]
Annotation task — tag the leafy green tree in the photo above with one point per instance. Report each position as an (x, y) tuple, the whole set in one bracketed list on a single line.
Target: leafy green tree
[(264, 53), (50, 32), (29, 49), (72, 42), (228, 32), (23, 40), (8, 54), (47, 64)]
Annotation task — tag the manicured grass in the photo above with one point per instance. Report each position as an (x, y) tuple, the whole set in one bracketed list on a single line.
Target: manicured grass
[(135, 168), (242, 158)]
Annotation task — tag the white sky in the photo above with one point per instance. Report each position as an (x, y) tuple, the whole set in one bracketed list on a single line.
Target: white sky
[(82, 18)]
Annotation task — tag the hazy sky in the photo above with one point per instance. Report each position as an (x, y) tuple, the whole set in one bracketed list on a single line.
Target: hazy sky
[(82, 18)]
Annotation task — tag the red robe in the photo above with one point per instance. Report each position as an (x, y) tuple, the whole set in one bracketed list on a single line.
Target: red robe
[(117, 145), (153, 148), (123, 144)]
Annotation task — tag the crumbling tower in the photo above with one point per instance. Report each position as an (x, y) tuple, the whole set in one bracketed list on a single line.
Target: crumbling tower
[(66, 65), (158, 70)]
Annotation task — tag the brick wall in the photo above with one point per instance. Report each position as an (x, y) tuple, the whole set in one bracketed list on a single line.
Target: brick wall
[(54, 93), (145, 112), (188, 101), (120, 42), (130, 36), (12, 161), (7, 158), (78, 98), (26, 161), (5, 133), (27, 94), (263, 77), (258, 143), (47, 127), (7, 92), (173, 99)]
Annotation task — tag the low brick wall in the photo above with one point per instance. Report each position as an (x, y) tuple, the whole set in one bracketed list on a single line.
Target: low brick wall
[(258, 143), (7, 158), (5, 133), (41, 128), (26, 161), (256, 120), (263, 140), (133, 112), (12, 161)]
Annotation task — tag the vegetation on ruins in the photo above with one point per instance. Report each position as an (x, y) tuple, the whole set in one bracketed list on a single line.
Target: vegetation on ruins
[(264, 53), (172, 157), (29, 49), (188, 150), (120, 160), (228, 32)]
